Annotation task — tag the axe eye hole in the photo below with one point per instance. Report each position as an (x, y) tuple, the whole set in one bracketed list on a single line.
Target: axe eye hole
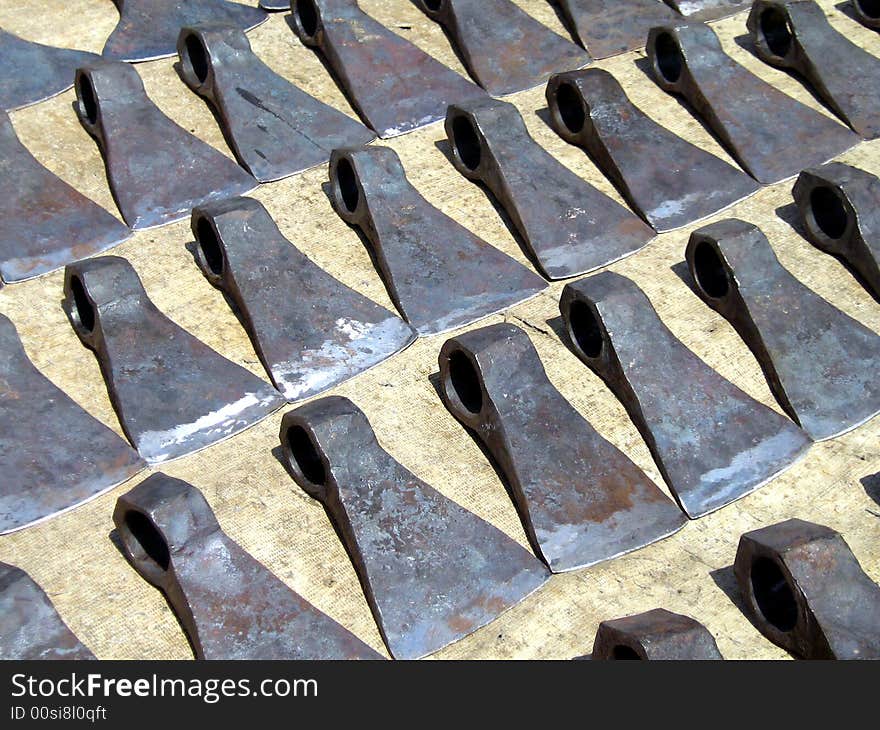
[(871, 8), (346, 184), (584, 329), (624, 652), (668, 57), (149, 543), (828, 212), (84, 311), (305, 456), (210, 246), (571, 111), (709, 270), (465, 383), (307, 15), (198, 57), (434, 5), (773, 595), (467, 144), (775, 31), (87, 99)]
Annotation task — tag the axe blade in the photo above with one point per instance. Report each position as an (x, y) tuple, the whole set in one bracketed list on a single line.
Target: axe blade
[(705, 10)]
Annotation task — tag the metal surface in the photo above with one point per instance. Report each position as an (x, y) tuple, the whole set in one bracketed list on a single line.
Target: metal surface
[(568, 226), (839, 209), (806, 592), (148, 29), (867, 12), (820, 363), (30, 627), (712, 442), (432, 571), (655, 635), (55, 456), (310, 331), (44, 223), (770, 134), (439, 275), (33, 72), (608, 27), (156, 169), (274, 5), (667, 180), (395, 86), (228, 603), (798, 36), (274, 128), (504, 48), (172, 393), (581, 500), (704, 10)]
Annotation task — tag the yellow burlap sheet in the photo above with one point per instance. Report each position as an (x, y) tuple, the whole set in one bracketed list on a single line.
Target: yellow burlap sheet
[(119, 616)]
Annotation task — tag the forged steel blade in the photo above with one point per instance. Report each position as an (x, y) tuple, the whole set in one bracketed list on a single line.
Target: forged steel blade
[(820, 363), (608, 27), (30, 627), (228, 603), (156, 169), (432, 571), (504, 48), (569, 226), (44, 223), (703, 10), (274, 128), (772, 135), (394, 85), (806, 592), (75, 458), (148, 29), (172, 393), (867, 12), (33, 72), (667, 180), (439, 274), (274, 5), (310, 331), (581, 500), (839, 208), (798, 36), (655, 635), (712, 442)]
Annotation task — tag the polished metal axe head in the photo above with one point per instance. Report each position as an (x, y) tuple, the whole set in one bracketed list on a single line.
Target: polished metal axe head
[(394, 85), (609, 27), (172, 393), (770, 134), (655, 635), (712, 442), (820, 363), (275, 5), (156, 169), (839, 208), (148, 29), (867, 12), (667, 180), (798, 36), (274, 128), (439, 274), (806, 592), (310, 331), (30, 627), (704, 10), (581, 500), (432, 571), (504, 48), (44, 222), (229, 604), (568, 226), (33, 72), (75, 458)]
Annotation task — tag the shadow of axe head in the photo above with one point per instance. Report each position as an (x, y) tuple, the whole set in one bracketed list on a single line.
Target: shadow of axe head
[(30, 627), (229, 604), (654, 635), (581, 500), (432, 571), (712, 442)]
